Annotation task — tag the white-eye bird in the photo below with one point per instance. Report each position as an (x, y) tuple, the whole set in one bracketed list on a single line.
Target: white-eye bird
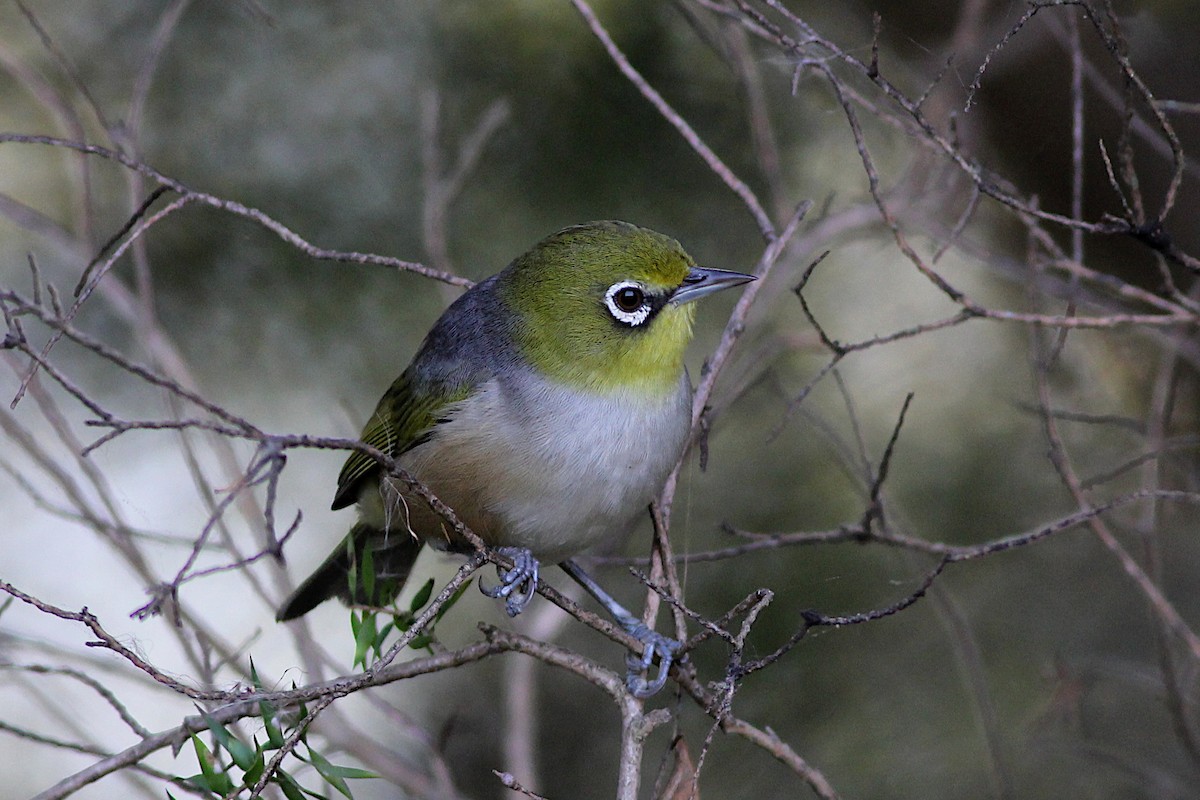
[(546, 407)]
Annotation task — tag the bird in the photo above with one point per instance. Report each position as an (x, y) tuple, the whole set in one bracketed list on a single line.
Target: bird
[(546, 407)]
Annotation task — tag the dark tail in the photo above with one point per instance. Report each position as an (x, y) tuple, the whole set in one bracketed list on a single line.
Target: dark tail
[(392, 554)]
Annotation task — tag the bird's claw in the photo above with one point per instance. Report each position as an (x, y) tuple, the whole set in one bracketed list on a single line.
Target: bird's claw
[(517, 585), (639, 667)]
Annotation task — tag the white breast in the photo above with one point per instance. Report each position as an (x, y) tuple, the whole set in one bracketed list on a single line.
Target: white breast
[(533, 464)]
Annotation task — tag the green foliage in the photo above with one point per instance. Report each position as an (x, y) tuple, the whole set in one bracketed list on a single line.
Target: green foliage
[(371, 638), (233, 766)]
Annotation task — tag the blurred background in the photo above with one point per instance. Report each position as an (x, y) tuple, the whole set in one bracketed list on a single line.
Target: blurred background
[(457, 134)]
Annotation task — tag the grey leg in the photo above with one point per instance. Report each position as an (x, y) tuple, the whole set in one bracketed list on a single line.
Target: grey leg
[(654, 643)]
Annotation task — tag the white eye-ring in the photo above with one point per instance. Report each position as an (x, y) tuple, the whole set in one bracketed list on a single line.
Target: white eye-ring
[(627, 302)]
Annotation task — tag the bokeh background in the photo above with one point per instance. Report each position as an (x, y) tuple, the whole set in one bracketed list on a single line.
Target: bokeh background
[(1033, 673)]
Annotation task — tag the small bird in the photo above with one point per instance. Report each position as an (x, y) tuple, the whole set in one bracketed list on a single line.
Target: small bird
[(546, 407)]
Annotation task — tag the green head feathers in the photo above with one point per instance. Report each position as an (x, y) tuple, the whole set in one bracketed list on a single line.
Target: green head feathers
[(605, 306)]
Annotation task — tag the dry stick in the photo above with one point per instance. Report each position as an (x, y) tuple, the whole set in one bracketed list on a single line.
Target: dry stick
[(138, 370), (289, 744), (687, 681), (249, 707), (1118, 100), (662, 569), (1161, 606), (728, 686), (106, 640), (157, 343), (70, 719), (663, 562), (1150, 457), (247, 704), (245, 501), (955, 295), (50, 98), (236, 427), (1125, 140), (442, 188), (96, 751), (705, 700), (279, 443), (144, 320), (1161, 404), (86, 287), (885, 211), (511, 783), (769, 740), (74, 78), (1076, 50), (1115, 45), (239, 210), (64, 64), (747, 70), (631, 736), (163, 33), (858, 533), (961, 225), (736, 184), (766, 739), (134, 219), (733, 331), (1151, 235), (187, 195), (51, 411), (90, 682), (635, 726), (543, 622), (971, 662)]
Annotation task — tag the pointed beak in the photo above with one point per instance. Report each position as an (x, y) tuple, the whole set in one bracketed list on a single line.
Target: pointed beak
[(702, 280)]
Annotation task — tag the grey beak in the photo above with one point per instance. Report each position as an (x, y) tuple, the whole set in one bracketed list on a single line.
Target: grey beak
[(704, 280)]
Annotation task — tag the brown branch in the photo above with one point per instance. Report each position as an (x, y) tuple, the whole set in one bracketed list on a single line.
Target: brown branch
[(718, 167)]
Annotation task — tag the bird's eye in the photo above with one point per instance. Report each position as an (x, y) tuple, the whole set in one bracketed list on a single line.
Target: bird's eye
[(629, 298), (627, 303)]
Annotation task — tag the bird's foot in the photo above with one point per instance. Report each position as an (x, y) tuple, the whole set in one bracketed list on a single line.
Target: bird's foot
[(653, 643), (517, 585), (637, 678)]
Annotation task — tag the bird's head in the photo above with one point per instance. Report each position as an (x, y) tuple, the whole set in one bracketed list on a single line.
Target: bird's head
[(606, 306)]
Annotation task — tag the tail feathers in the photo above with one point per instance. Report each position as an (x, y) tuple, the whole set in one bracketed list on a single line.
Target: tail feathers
[(392, 556)]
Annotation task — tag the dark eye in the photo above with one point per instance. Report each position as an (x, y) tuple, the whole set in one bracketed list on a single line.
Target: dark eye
[(627, 303), (629, 299)]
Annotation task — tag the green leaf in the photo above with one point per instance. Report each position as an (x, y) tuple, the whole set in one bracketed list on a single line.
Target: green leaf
[(421, 597), (291, 789), (256, 769), (336, 776), (198, 781), (365, 638), (351, 773), (254, 679), (211, 778), (274, 734), (242, 755)]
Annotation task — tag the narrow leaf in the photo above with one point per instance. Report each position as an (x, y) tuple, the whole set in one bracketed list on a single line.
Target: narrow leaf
[(421, 597)]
